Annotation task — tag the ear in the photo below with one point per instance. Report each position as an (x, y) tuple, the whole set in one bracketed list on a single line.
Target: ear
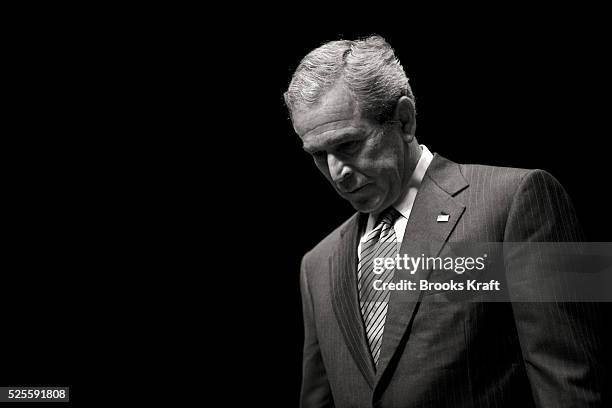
[(406, 114)]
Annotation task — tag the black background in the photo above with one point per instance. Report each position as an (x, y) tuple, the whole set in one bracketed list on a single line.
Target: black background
[(142, 136)]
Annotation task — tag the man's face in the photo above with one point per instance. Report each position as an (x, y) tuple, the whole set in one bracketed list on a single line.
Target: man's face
[(364, 163)]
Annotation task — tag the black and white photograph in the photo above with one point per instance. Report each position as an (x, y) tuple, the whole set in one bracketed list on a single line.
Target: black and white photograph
[(308, 211)]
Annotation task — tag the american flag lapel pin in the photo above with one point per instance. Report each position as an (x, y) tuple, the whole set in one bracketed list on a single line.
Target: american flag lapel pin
[(443, 218)]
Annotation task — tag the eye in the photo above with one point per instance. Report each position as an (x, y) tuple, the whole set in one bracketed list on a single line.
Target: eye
[(349, 147)]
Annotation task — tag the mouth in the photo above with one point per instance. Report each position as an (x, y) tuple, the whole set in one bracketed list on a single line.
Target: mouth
[(356, 190)]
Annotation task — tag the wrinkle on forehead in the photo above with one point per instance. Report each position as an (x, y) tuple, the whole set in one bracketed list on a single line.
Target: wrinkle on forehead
[(330, 134), (338, 125)]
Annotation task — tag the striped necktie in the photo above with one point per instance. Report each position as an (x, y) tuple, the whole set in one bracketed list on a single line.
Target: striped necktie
[(381, 243)]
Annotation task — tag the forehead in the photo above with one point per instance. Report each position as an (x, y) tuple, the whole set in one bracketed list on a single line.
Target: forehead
[(335, 116)]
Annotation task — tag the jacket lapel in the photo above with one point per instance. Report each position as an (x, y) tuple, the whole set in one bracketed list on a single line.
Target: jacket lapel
[(343, 266), (424, 236)]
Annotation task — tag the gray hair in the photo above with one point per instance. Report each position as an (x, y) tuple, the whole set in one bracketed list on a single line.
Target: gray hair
[(368, 68)]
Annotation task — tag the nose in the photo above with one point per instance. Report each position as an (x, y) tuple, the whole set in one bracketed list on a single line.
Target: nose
[(338, 170)]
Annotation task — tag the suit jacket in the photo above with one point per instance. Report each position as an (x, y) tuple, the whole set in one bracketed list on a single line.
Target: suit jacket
[(453, 354)]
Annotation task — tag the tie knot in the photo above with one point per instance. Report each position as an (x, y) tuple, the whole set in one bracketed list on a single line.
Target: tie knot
[(389, 216)]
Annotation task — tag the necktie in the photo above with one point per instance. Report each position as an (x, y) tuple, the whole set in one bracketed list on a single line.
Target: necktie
[(381, 243)]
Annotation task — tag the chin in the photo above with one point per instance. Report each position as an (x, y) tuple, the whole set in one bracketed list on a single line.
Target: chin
[(369, 205)]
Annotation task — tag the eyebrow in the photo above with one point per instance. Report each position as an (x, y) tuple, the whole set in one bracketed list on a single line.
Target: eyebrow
[(344, 137)]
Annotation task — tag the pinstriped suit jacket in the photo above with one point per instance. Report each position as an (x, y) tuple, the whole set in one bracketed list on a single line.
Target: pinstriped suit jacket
[(453, 354)]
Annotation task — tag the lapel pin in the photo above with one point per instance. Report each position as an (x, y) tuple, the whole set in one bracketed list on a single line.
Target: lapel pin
[(443, 218)]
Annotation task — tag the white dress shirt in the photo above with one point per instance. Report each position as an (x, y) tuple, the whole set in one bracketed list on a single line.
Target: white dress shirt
[(403, 204)]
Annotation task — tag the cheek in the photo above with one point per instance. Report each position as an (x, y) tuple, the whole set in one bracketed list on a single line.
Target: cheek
[(385, 171), (381, 160), (382, 166)]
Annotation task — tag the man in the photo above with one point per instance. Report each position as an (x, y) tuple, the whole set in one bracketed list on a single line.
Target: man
[(352, 107)]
